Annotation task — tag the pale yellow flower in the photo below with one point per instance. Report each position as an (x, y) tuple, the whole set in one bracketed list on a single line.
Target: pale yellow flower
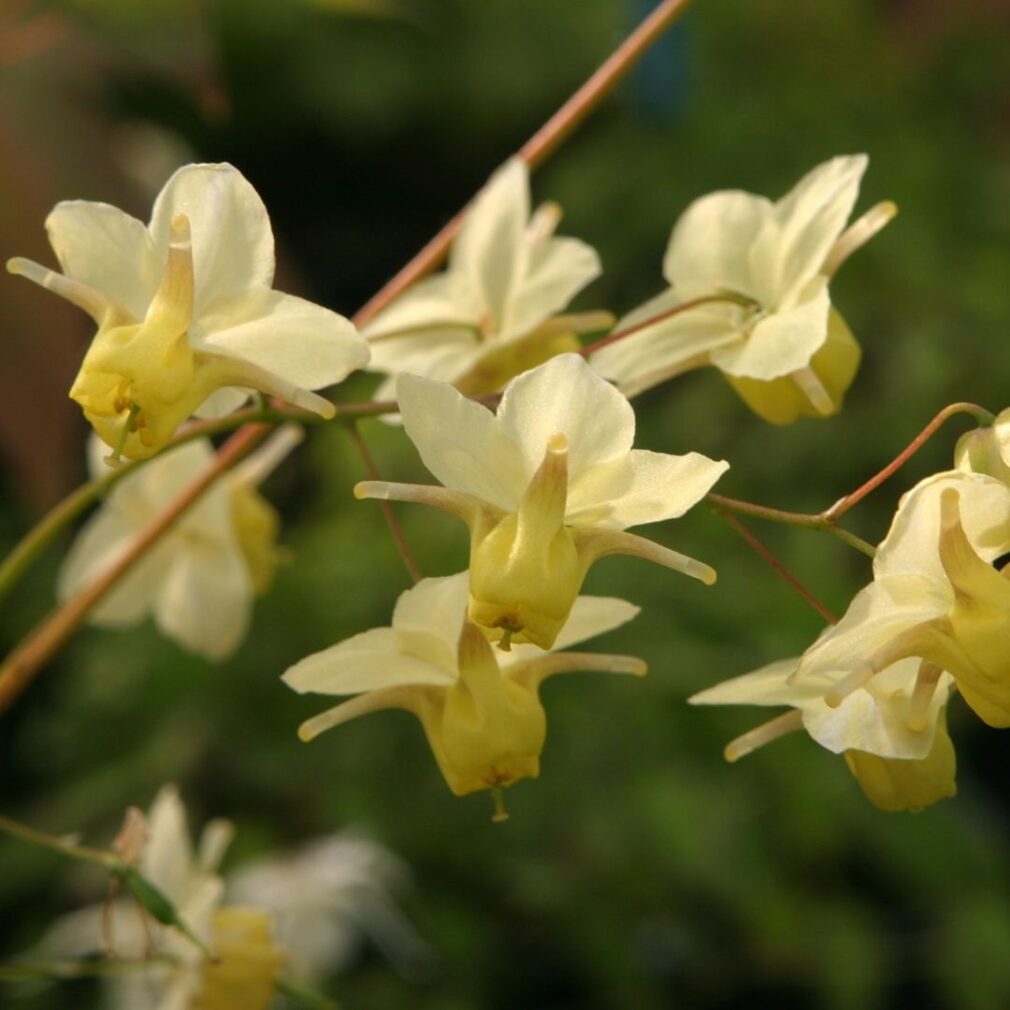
[(548, 485), (893, 734), (199, 580), (774, 336), (480, 709), (494, 312), (187, 320)]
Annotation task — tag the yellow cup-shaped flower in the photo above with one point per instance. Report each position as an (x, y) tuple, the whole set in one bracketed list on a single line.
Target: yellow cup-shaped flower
[(245, 975), (832, 369), (907, 784)]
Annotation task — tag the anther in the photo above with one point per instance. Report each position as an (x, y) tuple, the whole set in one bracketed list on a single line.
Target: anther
[(130, 425)]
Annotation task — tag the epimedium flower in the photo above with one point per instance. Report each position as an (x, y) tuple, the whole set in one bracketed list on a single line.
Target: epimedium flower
[(300, 913), (199, 580), (893, 735), (187, 318), (939, 594), (189, 878), (771, 329), (494, 312), (479, 708), (547, 486)]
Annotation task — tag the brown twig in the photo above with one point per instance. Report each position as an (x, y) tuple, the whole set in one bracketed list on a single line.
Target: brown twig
[(540, 146), (24, 662), (387, 507), (844, 504), (777, 566)]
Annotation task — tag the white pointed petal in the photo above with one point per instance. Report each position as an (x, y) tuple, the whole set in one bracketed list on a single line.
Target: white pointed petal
[(877, 615), (658, 352), (811, 217), (565, 396), (766, 686), (431, 302), (102, 541), (365, 662), (876, 720), (782, 342), (709, 244), (556, 272), (304, 343), (442, 353), (222, 402), (105, 248), (205, 599), (215, 838), (233, 246), (591, 616), (912, 543), (461, 442), (642, 487), (80, 933), (167, 859), (435, 607), (487, 248)]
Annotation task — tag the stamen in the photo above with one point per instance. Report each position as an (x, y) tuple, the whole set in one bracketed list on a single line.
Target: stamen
[(813, 389), (782, 725), (857, 234), (129, 426), (922, 694), (500, 813), (859, 677), (97, 305)]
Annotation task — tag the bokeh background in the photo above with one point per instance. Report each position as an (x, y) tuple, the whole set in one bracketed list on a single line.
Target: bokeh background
[(640, 871)]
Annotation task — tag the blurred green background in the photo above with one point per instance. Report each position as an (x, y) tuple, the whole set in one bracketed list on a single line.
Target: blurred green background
[(640, 871)]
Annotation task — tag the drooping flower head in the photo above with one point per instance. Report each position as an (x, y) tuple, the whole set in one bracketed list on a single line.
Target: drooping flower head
[(199, 580), (493, 313), (893, 734), (480, 709), (547, 486), (187, 320), (940, 593), (774, 334)]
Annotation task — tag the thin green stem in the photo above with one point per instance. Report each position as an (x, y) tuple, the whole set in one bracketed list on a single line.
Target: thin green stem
[(396, 531), (24, 971), (815, 522), (777, 566), (56, 844)]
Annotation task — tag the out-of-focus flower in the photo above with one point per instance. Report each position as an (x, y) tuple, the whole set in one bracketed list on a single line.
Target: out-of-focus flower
[(187, 320), (547, 487), (774, 334), (199, 580), (939, 594), (325, 896), (481, 711), (492, 314), (299, 914), (893, 734), (191, 882)]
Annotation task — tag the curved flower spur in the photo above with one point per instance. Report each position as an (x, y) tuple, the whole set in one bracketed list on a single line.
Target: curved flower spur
[(480, 708), (547, 486), (187, 320)]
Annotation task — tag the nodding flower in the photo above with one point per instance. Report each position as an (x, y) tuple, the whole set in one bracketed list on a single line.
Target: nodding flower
[(187, 318)]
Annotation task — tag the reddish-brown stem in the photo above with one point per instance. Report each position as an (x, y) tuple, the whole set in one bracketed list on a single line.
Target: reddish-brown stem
[(387, 507), (844, 504), (612, 338), (777, 566), (542, 144), (24, 662)]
